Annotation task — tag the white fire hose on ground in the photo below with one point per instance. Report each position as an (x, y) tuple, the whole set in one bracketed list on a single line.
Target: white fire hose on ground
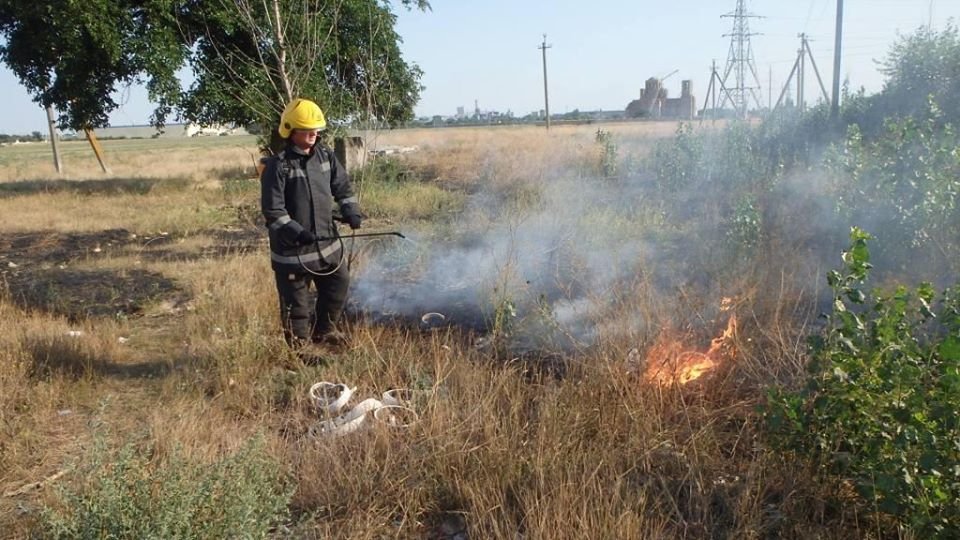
[(330, 398)]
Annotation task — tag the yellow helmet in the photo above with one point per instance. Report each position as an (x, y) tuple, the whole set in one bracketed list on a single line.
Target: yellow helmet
[(301, 114)]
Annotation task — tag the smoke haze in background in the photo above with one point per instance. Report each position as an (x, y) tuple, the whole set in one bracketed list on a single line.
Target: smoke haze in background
[(579, 257)]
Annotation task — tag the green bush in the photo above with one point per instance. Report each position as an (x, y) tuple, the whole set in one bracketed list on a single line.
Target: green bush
[(608, 153), (241, 496), (880, 401), (744, 229), (910, 174), (679, 163), (384, 171)]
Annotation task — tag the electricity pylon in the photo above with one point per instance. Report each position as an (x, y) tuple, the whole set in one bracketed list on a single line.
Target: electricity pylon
[(744, 90)]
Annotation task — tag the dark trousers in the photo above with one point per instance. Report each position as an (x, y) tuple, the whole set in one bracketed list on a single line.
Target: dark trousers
[(304, 319)]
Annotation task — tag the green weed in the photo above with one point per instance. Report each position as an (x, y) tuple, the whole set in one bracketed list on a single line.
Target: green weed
[(135, 495)]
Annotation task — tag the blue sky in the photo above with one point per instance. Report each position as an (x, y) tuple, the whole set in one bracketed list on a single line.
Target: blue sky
[(602, 50)]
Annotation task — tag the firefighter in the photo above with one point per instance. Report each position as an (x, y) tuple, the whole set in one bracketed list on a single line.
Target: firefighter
[(299, 187)]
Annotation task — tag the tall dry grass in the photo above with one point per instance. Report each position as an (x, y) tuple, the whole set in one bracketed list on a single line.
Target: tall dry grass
[(502, 449)]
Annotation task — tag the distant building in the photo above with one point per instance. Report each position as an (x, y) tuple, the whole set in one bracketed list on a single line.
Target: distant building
[(461, 113), (655, 103), (168, 131)]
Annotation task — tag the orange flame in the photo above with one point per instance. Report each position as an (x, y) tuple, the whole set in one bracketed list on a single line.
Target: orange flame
[(668, 361)]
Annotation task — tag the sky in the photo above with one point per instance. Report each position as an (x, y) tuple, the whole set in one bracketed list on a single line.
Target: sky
[(601, 51)]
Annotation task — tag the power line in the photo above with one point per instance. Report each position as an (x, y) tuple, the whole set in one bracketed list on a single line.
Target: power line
[(809, 14)]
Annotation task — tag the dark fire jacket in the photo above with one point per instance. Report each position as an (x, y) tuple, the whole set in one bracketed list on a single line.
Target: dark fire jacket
[(297, 192)]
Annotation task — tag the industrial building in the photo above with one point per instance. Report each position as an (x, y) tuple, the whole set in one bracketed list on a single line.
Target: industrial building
[(655, 102)]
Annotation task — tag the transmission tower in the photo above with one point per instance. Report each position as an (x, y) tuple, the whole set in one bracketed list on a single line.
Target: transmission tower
[(744, 89)]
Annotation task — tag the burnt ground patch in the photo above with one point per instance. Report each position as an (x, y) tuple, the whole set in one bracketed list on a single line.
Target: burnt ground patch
[(26, 251), (110, 186), (228, 242), (78, 294), (39, 271), (472, 329), (35, 249), (47, 270)]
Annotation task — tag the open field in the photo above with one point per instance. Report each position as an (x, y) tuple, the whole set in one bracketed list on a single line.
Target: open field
[(140, 348)]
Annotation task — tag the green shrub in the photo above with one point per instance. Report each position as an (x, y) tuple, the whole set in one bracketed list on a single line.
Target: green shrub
[(130, 496), (680, 162), (744, 230), (608, 153), (910, 174), (389, 188), (384, 171), (878, 409)]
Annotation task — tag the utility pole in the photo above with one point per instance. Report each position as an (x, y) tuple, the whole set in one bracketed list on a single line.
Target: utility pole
[(801, 76), (800, 69), (816, 71), (713, 77), (54, 141), (715, 87), (711, 95), (770, 89), (546, 93), (835, 104)]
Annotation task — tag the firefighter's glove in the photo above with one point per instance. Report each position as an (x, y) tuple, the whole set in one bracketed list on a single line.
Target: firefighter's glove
[(352, 216), (306, 238)]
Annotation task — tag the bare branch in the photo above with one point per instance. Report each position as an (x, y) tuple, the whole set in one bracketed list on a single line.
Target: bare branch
[(281, 50)]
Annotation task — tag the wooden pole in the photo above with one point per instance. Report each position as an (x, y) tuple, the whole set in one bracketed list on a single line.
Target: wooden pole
[(54, 140), (97, 149)]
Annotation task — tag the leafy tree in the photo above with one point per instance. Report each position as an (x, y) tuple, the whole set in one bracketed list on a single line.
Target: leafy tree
[(249, 58), (920, 68), (73, 55), (922, 65)]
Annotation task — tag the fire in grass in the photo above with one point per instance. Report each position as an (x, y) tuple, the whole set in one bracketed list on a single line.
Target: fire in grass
[(671, 361)]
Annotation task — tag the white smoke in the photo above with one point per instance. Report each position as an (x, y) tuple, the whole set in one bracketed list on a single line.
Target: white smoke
[(547, 264)]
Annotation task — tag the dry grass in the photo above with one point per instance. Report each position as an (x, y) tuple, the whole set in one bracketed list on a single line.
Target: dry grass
[(501, 451), (134, 158)]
